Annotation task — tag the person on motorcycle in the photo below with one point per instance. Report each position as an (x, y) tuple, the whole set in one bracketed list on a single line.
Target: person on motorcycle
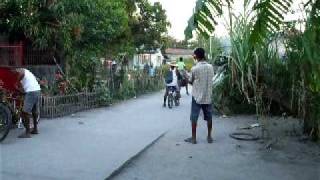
[(30, 88), (184, 76), (172, 78), (181, 65)]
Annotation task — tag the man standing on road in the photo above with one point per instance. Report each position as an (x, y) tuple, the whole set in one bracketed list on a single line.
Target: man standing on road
[(30, 87), (201, 79)]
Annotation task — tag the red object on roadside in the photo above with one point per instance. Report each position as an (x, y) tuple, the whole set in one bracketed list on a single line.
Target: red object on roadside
[(8, 80)]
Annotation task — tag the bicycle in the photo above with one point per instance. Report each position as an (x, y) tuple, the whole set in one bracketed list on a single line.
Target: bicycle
[(5, 121), (172, 97)]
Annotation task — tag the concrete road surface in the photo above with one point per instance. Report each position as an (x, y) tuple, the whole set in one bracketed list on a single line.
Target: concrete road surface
[(88, 145)]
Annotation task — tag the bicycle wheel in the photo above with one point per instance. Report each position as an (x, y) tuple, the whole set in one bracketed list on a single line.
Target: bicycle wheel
[(176, 102), (170, 101), (5, 121)]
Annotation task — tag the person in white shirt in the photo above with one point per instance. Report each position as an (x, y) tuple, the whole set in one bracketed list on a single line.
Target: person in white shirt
[(172, 78), (29, 86)]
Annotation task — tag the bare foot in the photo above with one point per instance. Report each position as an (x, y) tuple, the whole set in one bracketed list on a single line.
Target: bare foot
[(210, 140), (34, 131), (191, 140)]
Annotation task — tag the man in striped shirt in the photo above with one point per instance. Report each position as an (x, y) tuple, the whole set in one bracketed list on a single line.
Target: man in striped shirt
[(201, 79)]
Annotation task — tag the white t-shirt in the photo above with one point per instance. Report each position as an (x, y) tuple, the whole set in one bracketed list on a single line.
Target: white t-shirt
[(174, 78), (29, 82)]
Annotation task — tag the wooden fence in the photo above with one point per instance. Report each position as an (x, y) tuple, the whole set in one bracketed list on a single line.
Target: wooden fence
[(62, 105), (56, 106)]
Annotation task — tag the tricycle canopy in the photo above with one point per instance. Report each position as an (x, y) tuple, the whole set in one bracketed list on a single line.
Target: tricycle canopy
[(8, 80)]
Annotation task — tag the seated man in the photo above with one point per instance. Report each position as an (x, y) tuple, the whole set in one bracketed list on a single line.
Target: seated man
[(181, 65), (30, 87), (171, 81)]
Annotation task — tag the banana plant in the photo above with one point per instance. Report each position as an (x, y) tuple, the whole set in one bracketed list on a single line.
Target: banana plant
[(250, 38), (311, 70), (248, 32)]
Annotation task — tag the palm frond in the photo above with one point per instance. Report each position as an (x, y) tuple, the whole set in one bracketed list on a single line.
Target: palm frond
[(269, 17), (205, 13)]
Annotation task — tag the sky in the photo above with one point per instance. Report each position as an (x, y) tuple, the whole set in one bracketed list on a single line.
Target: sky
[(178, 12)]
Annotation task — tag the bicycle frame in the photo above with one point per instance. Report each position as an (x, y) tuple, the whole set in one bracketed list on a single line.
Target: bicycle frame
[(172, 90)]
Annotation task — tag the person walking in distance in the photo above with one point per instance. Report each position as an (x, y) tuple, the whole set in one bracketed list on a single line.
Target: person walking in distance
[(184, 76), (201, 79)]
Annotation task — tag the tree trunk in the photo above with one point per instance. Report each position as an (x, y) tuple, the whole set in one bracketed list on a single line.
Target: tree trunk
[(312, 117)]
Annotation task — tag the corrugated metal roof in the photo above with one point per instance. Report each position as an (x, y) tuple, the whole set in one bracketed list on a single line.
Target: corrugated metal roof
[(176, 51)]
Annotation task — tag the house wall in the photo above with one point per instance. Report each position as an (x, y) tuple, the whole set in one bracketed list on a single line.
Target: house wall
[(156, 59), (140, 60)]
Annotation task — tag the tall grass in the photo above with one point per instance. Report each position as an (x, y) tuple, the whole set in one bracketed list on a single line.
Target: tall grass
[(291, 84)]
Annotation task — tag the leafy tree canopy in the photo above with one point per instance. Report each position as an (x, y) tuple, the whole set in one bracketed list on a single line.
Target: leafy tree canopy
[(67, 23), (115, 25), (149, 25)]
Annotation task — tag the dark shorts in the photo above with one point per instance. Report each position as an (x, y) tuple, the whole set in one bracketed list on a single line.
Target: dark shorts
[(195, 111), (32, 102)]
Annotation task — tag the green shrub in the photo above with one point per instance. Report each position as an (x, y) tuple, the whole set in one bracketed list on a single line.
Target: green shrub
[(229, 100)]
